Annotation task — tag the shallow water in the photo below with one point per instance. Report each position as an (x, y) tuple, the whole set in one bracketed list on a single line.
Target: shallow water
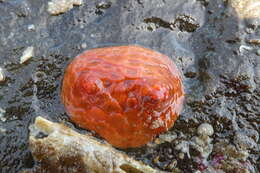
[(204, 39)]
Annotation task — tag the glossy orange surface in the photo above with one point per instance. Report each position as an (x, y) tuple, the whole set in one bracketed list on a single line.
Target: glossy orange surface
[(126, 94)]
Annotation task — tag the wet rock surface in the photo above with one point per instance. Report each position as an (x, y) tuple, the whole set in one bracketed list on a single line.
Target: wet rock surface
[(207, 40)]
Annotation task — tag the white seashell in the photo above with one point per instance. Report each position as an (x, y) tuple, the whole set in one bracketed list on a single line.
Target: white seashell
[(2, 130), (84, 45), (2, 115), (242, 48), (27, 54), (2, 75), (31, 27)]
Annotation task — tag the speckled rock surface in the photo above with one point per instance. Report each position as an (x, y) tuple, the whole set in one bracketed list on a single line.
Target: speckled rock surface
[(207, 39)]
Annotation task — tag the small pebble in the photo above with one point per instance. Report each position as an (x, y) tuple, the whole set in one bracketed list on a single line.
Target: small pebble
[(205, 129), (2, 75), (2, 113), (2, 130), (157, 141), (103, 5), (181, 156), (255, 41), (242, 48), (31, 27), (249, 30), (27, 54), (84, 45), (258, 52), (81, 26)]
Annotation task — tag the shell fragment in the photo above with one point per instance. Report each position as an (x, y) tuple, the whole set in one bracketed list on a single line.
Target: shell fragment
[(61, 149), (2, 75), (27, 54)]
